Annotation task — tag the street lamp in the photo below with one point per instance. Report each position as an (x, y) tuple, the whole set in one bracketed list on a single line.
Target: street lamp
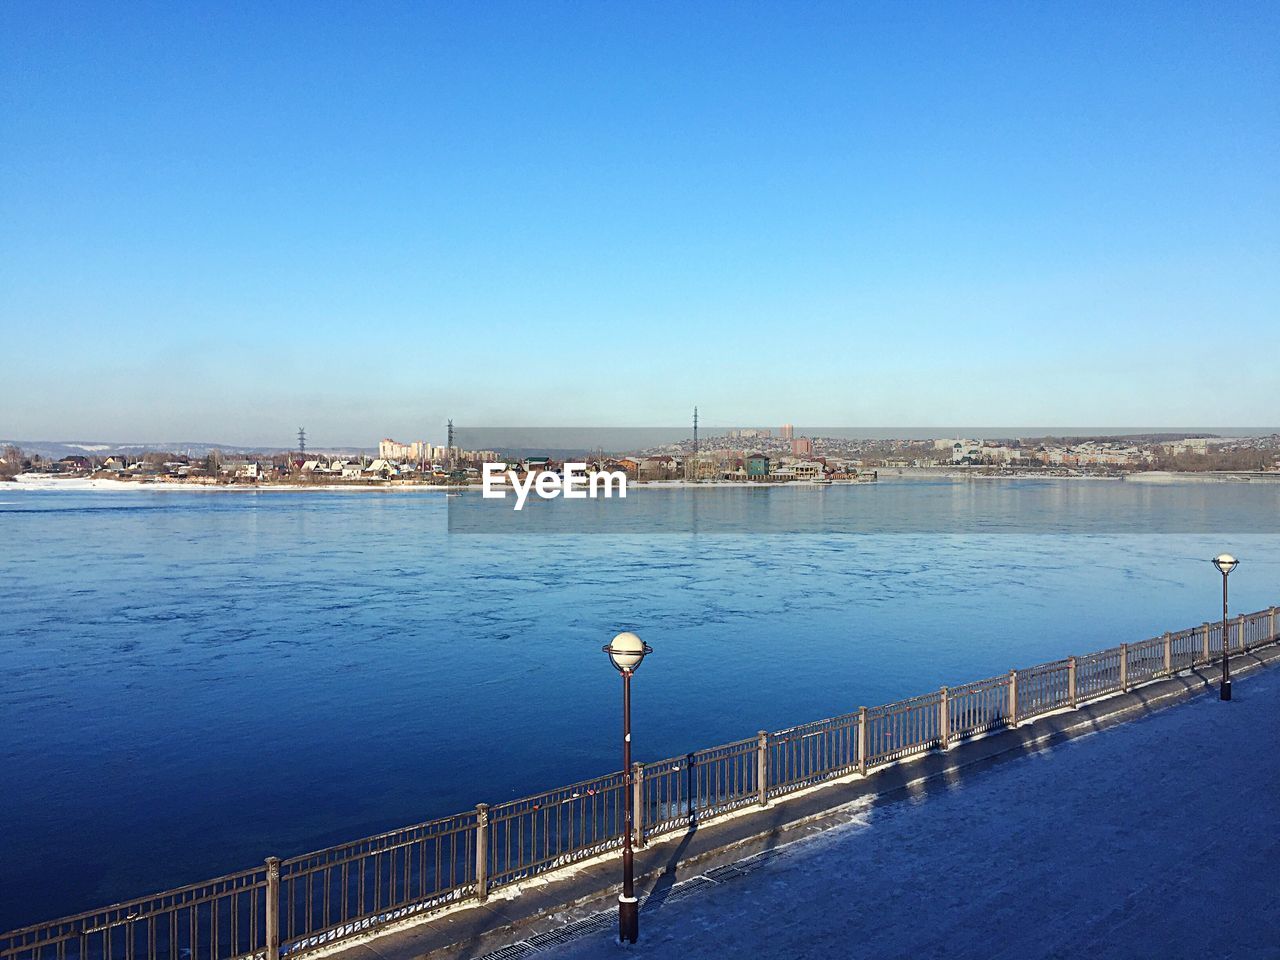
[(1225, 563), (625, 651)]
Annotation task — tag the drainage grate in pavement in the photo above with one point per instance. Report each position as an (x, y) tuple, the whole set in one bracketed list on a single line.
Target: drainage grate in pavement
[(726, 872), (515, 951), (750, 863), (572, 931)]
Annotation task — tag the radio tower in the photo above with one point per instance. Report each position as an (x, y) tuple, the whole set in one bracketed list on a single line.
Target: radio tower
[(692, 472), (449, 445), (302, 443)]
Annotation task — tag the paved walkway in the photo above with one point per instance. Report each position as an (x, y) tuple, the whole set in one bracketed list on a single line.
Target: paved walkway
[(1158, 839)]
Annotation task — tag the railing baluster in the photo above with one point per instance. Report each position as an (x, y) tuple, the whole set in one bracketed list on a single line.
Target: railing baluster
[(637, 803), (762, 768)]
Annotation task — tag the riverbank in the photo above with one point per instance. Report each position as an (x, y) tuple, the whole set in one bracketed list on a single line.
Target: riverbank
[(44, 482), (36, 481), (1144, 476)]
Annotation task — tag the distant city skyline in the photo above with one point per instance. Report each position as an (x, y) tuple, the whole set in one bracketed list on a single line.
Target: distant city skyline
[(619, 438), (227, 221)]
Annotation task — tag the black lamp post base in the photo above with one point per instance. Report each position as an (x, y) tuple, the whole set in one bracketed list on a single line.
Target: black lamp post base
[(1224, 690), (628, 920)]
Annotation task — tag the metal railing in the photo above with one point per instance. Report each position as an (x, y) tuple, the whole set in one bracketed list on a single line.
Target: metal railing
[(294, 906)]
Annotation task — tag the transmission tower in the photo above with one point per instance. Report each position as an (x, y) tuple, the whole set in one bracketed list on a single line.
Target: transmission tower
[(692, 472), (302, 443)]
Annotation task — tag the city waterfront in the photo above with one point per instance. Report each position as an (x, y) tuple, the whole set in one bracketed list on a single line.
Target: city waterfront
[(194, 681)]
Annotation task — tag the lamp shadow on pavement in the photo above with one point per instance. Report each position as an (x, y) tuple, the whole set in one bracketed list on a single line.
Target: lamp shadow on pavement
[(668, 879)]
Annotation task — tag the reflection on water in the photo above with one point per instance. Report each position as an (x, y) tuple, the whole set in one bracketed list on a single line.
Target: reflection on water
[(189, 682), (1094, 506)]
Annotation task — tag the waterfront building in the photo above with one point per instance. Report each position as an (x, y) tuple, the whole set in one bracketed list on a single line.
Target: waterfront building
[(757, 467), (658, 468), (247, 469), (799, 470)]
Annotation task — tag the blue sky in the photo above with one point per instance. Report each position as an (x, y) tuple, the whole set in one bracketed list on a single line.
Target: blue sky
[(218, 221)]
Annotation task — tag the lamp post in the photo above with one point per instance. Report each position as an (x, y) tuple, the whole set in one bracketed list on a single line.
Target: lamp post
[(1225, 563), (625, 651)]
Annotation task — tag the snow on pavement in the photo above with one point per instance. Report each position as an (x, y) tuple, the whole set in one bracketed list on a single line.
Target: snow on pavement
[(1159, 838)]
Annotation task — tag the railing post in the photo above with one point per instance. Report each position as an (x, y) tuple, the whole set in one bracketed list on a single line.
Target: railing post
[(637, 803), (690, 789), (1071, 681), (273, 908), (482, 851), (1168, 653), (1124, 668), (1272, 631), (944, 719), (862, 740), (762, 768), (1205, 657), (1240, 634), (1013, 698)]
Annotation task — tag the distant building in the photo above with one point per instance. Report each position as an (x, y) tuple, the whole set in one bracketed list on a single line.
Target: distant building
[(806, 470), (389, 449), (658, 468), (801, 447), (1194, 445), (788, 432), (246, 469)]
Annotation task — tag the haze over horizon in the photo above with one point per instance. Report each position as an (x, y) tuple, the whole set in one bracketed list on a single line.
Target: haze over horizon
[(225, 222)]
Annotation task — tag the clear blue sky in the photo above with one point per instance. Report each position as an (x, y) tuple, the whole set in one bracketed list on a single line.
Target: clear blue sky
[(218, 221)]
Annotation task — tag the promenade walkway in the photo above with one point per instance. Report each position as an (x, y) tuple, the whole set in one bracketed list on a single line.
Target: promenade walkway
[(1159, 838)]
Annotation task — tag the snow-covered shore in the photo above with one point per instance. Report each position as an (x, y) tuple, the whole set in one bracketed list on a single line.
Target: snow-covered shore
[(47, 481)]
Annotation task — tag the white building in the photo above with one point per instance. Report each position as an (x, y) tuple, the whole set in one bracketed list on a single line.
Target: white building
[(416, 451)]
